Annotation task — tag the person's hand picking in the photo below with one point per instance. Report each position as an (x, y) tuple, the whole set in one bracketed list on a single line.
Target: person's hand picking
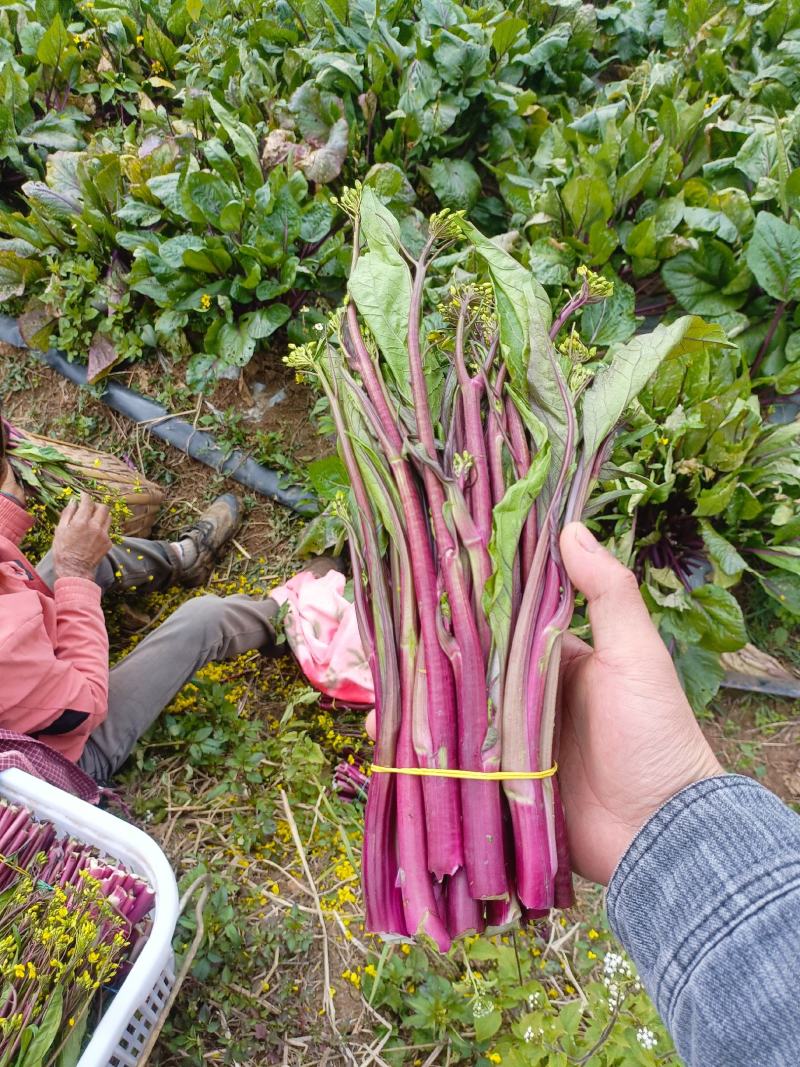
[(81, 538), (9, 484)]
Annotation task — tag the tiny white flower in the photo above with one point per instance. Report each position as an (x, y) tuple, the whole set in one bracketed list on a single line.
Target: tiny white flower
[(646, 1038), (318, 327), (482, 1006), (529, 1035)]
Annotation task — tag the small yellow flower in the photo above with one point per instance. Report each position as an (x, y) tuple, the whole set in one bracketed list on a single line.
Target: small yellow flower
[(593, 934), (663, 440), (70, 1022), (494, 1057), (156, 67), (140, 39), (591, 955), (405, 949), (205, 301)]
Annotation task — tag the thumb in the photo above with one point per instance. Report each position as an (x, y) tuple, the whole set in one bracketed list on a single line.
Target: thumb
[(618, 615), (371, 725)]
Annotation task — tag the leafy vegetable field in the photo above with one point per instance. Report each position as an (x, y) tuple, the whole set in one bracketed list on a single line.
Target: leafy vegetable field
[(173, 211)]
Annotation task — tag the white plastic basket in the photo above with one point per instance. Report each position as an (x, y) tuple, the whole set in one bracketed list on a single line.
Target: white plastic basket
[(135, 1010)]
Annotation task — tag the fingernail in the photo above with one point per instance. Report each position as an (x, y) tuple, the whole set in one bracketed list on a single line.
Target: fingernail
[(586, 539)]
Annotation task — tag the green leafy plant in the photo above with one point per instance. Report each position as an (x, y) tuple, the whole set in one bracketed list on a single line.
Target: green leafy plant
[(701, 493)]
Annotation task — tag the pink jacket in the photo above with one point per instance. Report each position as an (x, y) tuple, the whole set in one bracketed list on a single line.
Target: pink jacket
[(53, 648)]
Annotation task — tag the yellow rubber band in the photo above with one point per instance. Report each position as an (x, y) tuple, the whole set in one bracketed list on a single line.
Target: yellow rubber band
[(475, 776)]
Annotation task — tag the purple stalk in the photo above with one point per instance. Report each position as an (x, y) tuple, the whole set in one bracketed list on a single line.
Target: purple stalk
[(572, 306), (535, 866), (419, 904), (563, 892), (531, 647), (522, 461), (472, 390), (445, 851), (502, 914), (380, 864), (464, 913), (482, 822)]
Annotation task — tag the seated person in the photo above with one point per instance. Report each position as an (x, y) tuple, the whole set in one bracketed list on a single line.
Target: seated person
[(55, 683)]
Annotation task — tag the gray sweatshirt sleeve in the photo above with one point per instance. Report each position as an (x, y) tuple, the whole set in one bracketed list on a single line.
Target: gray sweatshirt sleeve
[(707, 902)]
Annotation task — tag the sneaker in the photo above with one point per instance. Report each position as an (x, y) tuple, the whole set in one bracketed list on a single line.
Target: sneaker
[(199, 545)]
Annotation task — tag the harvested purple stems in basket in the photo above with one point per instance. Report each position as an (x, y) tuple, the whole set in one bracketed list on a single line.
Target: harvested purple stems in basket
[(70, 923)]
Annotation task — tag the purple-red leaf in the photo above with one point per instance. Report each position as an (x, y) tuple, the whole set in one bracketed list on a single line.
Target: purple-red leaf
[(102, 357)]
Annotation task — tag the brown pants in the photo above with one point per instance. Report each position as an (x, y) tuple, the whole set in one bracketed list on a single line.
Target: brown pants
[(201, 631)]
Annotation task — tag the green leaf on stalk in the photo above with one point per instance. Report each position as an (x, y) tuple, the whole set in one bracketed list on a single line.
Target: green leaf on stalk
[(157, 46), (328, 476), (209, 194), (521, 304), (783, 587), (45, 1033), (508, 519), (16, 272), (264, 322), (487, 1025), (718, 618), (380, 285), (587, 200), (785, 557), (523, 315), (54, 43), (244, 143), (700, 672), (773, 256), (506, 33), (455, 182), (613, 320), (631, 365), (708, 280), (727, 562)]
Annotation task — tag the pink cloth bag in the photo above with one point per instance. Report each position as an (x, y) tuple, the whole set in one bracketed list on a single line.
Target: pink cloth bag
[(323, 634)]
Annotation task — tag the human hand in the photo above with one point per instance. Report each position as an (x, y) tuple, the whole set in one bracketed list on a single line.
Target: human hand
[(629, 739), (81, 538), (9, 483)]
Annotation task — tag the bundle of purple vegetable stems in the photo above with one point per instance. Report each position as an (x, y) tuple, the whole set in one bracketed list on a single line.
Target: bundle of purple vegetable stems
[(474, 424), (350, 781), (26, 844)]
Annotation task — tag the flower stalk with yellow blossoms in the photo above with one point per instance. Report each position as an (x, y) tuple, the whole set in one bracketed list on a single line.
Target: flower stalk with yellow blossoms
[(68, 920)]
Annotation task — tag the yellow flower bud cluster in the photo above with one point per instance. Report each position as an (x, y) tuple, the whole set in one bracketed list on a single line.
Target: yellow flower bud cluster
[(600, 288)]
